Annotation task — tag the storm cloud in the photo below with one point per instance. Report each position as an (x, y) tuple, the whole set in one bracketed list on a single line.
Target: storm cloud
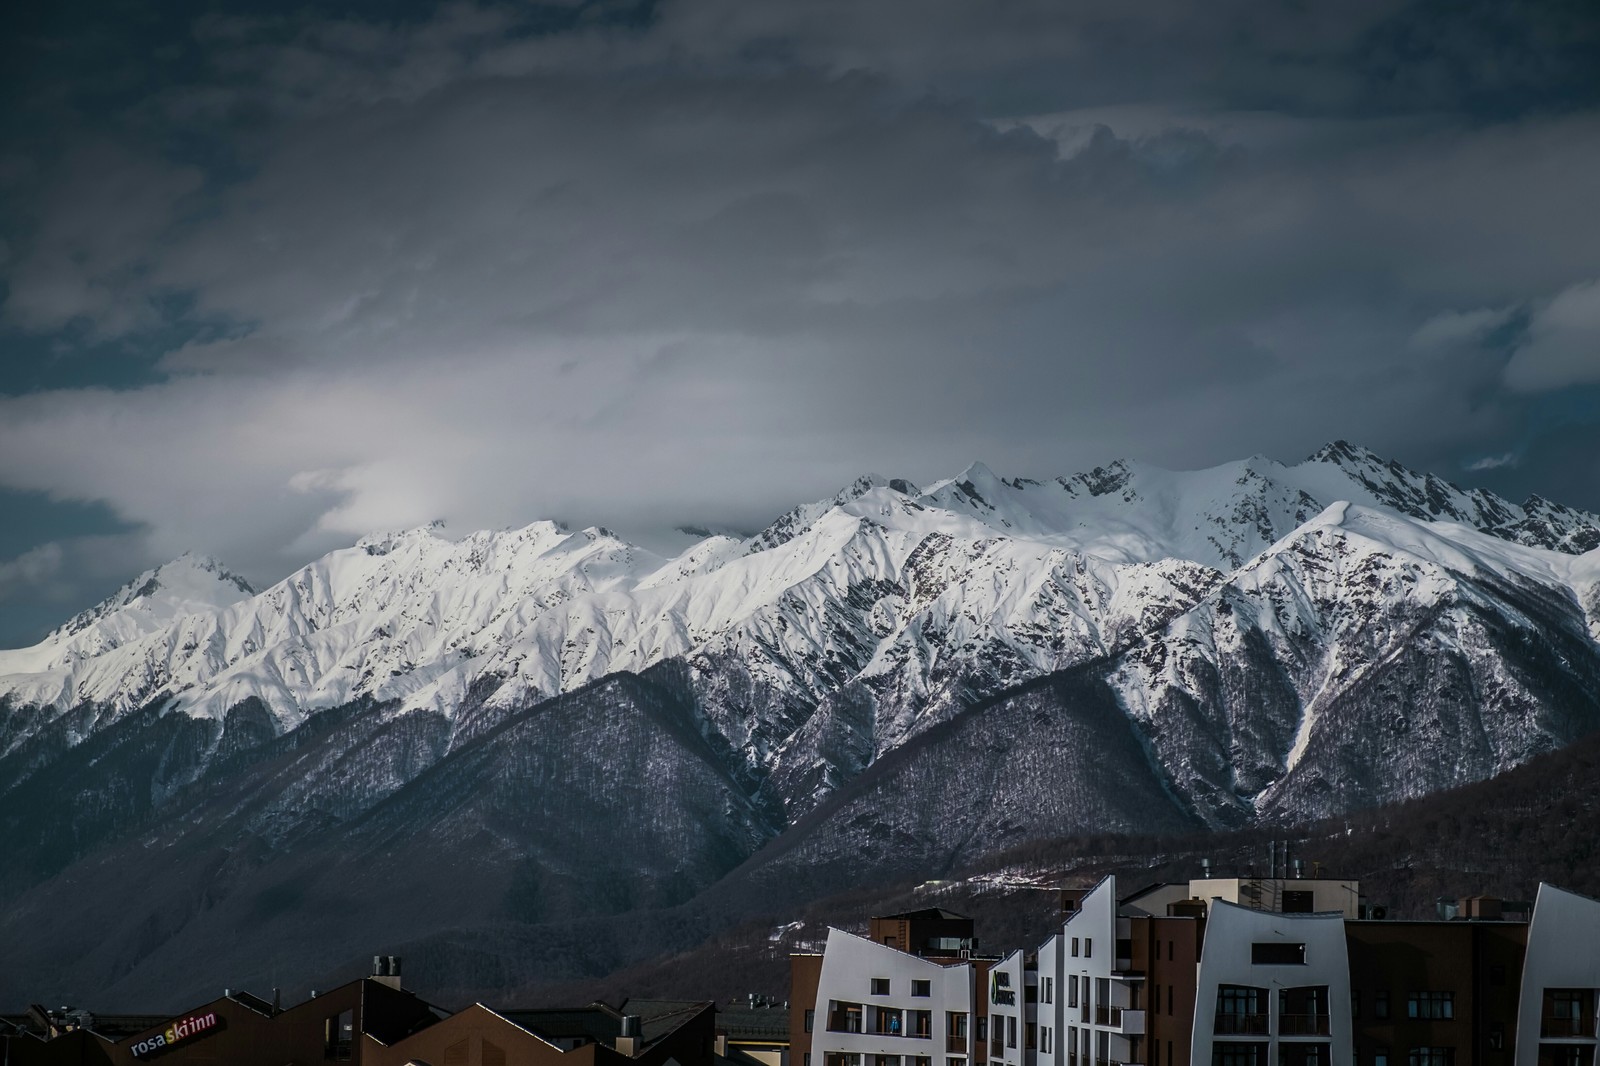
[(272, 283)]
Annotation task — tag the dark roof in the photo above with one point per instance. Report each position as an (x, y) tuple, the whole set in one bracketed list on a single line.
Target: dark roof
[(255, 1003), (929, 914), (598, 1022), (754, 1023), (602, 1022)]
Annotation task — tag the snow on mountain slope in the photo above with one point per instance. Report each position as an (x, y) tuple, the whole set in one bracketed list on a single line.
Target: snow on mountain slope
[(150, 603), (850, 625)]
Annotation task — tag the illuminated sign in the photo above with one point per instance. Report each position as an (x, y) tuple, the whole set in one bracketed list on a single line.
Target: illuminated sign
[(1000, 988), (177, 1032)]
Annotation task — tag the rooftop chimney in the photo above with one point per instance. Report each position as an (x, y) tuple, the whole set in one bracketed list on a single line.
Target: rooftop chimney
[(386, 970), (628, 1039)]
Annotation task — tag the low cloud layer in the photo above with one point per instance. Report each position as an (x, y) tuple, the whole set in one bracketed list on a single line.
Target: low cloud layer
[(698, 262)]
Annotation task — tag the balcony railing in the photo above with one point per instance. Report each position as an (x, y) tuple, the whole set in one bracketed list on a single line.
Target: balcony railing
[(844, 1023), (1566, 1028), (1240, 1024), (955, 1045), (1108, 1016), (1302, 1025)]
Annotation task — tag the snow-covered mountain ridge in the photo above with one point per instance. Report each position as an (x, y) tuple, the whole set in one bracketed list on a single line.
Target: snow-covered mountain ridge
[(851, 625)]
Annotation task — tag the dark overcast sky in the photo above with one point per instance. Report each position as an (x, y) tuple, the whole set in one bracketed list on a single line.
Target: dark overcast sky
[(271, 281)]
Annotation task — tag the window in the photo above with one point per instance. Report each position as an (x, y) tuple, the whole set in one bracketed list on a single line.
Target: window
[(1380, 1005), (880, 986), (1497, 1036), (807, 1059), (1047, 989), (955, 1031), (1088, 947), (1251, 1054), (921, 1024), (982, 1032), (1155, 1047), (1072, 1045), (1072, 991), (811, 1020), (1431, 1005), (1169, 1003), (1011, 1030), (1031, 1041), (1566, 1003), (1380, 1057), (1045, 1043), (1431, 1056), (339, 1035), (1241, 1010), (1297, 903), (1169, 950), (1074, 947), (922, 989), (844, 1017), (1275, 954)]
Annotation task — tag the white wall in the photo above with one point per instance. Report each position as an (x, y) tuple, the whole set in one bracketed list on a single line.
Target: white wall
[(850, 962), (1231, 932), (1563, 952)]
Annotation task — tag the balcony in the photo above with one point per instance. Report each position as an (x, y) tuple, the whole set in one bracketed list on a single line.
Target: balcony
[(1556, 1028), (1302, 1025), (844, 1022), (1240, 1025), (1132, 1022), (955, 1045)]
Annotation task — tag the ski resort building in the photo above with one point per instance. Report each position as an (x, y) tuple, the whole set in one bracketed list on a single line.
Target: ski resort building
[(1246, 977), (372, 1021), (872, 1002)]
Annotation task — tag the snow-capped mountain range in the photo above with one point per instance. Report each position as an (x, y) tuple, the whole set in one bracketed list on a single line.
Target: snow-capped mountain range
[(893, 682), (921, 600)]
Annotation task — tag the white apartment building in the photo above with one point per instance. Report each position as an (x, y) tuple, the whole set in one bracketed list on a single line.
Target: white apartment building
[(1273, 990), (1560, 981), (880, 1006)]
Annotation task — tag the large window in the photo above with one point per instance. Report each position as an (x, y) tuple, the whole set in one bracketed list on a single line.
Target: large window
[(1568, 1012), (1431, 1005), (339, 1034), (1241, 1010), (1267, 953), (1303, 1011), (1431, 1056), (1224, 1053), (1297, 903), (880, 986), (921, 989), (844, 1017)]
